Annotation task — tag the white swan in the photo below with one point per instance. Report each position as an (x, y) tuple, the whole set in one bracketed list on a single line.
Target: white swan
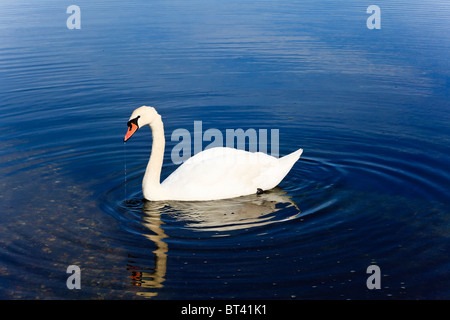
[(216, 173)]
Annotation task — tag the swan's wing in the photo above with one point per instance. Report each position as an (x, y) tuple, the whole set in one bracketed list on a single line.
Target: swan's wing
[(222, 173)]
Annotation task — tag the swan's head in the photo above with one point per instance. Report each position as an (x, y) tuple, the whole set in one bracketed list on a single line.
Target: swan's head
[(140, 117)]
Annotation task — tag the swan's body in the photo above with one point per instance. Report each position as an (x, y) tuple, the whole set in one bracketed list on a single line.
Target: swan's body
[(216, 173)]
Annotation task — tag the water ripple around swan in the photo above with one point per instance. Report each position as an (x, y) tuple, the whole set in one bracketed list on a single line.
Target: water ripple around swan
[(369, 108)]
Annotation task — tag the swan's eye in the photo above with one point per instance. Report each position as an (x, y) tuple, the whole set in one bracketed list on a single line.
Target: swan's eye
[(133, 121)]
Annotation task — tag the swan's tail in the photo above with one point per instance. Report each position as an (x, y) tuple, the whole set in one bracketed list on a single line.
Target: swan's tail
[(289, 160), (276, 173)]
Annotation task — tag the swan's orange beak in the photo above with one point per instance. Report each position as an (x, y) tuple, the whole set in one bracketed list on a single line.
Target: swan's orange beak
[(131, 130)]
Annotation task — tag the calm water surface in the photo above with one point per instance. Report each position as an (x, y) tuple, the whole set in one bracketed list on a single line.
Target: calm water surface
[(370, 108)]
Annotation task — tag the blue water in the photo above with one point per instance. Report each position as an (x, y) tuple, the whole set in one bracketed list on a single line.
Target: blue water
[(370, 108)]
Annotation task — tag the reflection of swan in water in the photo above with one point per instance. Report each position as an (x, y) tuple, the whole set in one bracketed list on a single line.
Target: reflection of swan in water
[(218, 215), (152, 220), (234, 214)]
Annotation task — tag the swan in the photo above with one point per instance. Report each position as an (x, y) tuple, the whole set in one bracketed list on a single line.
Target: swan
[(213, 174)]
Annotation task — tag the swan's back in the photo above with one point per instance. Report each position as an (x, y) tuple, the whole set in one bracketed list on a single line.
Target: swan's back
[(220, 173)]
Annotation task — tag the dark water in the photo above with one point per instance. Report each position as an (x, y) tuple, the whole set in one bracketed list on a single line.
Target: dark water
[(370, 108)]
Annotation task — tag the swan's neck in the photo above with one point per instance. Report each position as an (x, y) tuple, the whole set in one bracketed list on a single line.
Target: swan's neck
[(151, 181)]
